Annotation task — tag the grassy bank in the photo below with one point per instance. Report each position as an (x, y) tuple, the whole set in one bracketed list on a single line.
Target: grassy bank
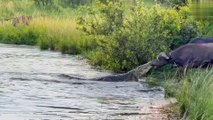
[(119, 37), (193, 91), (48, 33), (196, 96)]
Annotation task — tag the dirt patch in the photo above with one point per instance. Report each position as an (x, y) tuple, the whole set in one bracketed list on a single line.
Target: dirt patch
[(163, 110)]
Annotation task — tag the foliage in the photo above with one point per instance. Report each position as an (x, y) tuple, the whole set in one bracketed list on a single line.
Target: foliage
[(176, 3), (21, 35), (202, 9), (193, 90), (48, 33), (196, 97), (11, 8), (168, 77), (129, 36), (43, 2), (15, 8), (75, 3), (119, 36)]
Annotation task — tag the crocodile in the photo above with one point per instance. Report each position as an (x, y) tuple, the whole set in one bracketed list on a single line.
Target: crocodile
[(132, 75)]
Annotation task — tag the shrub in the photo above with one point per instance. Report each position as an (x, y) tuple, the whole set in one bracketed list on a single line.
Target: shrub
[(129, 36)]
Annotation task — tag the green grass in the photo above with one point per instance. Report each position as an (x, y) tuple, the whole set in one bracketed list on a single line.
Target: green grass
[(196, 97), (193, 91), (58, 32), (48, 33), (15, 8), (167, 77)]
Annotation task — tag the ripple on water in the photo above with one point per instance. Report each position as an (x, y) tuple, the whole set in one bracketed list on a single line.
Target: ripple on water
[(31, 88)]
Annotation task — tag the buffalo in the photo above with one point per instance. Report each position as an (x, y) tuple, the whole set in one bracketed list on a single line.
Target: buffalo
[(202, 40), (190, 55)]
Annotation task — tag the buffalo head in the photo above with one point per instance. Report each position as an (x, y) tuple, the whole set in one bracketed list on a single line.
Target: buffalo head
[(162, 59)]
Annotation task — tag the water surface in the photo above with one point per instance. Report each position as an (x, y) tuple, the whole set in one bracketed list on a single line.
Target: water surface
[(32, 88)]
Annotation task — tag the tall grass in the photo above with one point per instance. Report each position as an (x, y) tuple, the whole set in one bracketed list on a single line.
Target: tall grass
[(14, 8), (48, 33), (196, 98), (194, 91), (168, 77)]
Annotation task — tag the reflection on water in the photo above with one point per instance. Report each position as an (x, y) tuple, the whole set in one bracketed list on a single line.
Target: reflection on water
[(31, 88)]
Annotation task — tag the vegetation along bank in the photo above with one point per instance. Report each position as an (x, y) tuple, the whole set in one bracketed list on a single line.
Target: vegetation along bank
[(118, 35)]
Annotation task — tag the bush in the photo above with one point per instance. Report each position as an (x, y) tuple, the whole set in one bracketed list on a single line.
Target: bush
[(129, 36)]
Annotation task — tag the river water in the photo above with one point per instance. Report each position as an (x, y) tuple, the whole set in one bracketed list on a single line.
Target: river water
[(32, 88)]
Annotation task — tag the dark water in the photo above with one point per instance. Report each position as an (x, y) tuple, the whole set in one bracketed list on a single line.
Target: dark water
[(32, 88)]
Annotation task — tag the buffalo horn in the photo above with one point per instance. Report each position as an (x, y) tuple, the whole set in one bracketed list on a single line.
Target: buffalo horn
[(163, 55)]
